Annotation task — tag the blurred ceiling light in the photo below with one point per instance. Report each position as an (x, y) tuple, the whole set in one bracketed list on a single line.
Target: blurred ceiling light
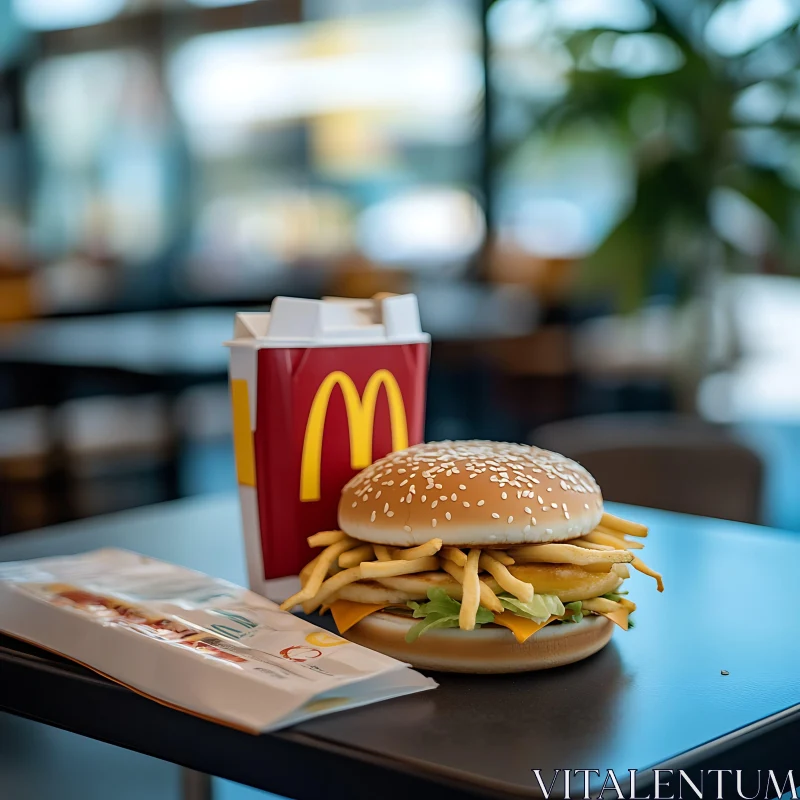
[(621, 15), (423, 227), (737, 26), (57, 14), (762, 103), (637, 54), (741, 222)]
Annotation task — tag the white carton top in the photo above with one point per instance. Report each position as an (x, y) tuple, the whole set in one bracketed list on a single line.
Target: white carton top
[(332, 321)]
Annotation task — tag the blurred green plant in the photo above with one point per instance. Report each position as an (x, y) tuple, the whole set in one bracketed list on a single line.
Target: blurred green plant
[(713, 131)]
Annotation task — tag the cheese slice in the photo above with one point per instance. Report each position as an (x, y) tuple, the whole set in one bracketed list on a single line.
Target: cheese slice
[(346, 613), (521, 627), (617, 617)]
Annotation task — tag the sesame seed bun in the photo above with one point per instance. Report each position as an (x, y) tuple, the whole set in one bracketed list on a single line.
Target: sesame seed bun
[(489, 649), (470, 494)]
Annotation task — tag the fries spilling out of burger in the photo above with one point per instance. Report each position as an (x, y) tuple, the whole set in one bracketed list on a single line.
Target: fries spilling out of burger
[(475, 557)]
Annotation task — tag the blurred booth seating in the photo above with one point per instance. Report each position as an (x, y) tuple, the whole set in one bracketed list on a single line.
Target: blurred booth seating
[(663, 461)]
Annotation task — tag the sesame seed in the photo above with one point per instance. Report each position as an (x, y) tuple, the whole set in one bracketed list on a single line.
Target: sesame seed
[(466, 504), (403, 483), (526, 529), (553, 505), (433, 523), (390, 514), (549, 488), (495, 515), (504, 496), (407, 528), (401, 470), (462, 487), (385, 507), (378, 494), (527, 510), (566, 514), (355, 504), (539, 499), (408, 497), (434, 504), (480, 502), (438, 485), (454, 497), (511, 519), (533, 520), (586, 505), (372, 517), (424, 498), (447, 515)]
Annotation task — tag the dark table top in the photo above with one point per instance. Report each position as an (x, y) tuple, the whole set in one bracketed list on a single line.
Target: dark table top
[(654, 697)]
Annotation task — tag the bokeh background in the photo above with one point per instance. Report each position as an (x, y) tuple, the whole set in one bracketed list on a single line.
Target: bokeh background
[(597, 202)]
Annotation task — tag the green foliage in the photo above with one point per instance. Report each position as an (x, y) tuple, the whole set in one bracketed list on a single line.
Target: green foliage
[(687, 141)]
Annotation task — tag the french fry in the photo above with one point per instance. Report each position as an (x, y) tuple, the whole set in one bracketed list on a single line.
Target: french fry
[(488, 597), (455, 555), (601, 604), (637, 563), (325, 538), (471, 599), (620, 536), (331, 586), (623, 525), (352, 558), (375, 570), (429, 548), (382, 552), (569, 554), (603, 538), (591, 545), (307, 569), (621, 570), (326, 559), (502, 556), (510, 584)]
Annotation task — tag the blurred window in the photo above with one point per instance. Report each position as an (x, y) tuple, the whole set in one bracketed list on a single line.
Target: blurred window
[(314, 141)]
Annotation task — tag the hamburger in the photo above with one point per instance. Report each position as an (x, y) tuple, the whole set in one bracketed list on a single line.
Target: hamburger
[(475, 556)]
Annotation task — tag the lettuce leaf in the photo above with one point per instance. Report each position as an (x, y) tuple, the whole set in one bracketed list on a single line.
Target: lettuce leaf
[(540, 609), (615, 596), (576, 609), (441, 611)]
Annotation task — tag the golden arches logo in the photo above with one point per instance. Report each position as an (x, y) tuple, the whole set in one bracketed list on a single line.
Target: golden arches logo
[(360, 419)]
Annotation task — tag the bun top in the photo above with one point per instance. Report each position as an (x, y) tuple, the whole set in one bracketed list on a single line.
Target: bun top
[(471, 493)]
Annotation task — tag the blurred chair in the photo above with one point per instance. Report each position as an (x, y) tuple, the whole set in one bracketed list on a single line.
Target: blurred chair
[(664, 461)]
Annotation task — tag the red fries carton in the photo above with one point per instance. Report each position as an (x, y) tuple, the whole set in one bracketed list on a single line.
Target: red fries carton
[(319, 390)]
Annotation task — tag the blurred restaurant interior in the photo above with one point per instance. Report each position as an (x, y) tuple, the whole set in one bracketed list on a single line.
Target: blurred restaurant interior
[(596, 202)]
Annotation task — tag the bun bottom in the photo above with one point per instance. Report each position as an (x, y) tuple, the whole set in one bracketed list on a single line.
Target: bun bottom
[(485, 650)]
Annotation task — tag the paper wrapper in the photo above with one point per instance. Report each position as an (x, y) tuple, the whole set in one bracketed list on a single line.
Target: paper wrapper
[(193, 642)]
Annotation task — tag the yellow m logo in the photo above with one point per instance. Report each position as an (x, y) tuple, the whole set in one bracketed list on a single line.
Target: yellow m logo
[(360, 420)]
